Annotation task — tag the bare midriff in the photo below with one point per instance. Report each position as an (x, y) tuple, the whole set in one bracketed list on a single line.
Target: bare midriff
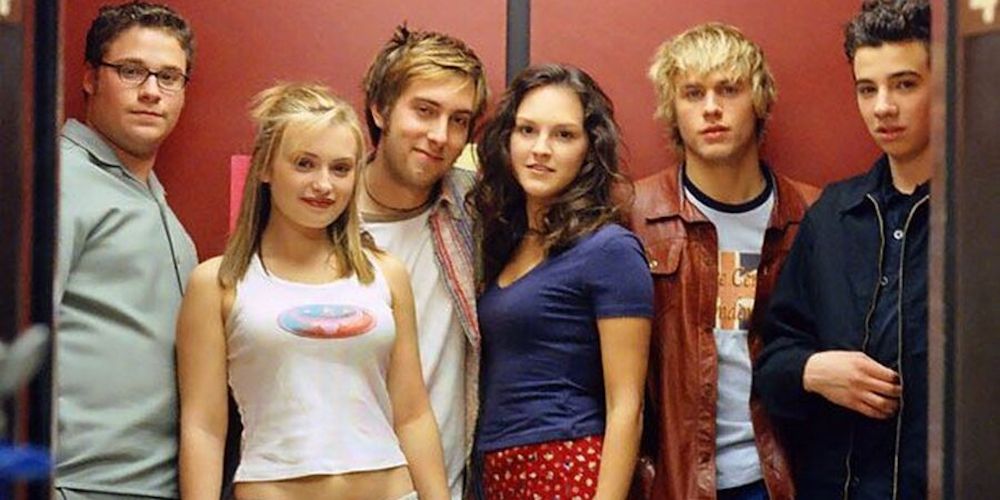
[(386, 484)]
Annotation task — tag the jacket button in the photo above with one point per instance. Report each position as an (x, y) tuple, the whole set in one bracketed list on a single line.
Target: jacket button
[(897, 234), (653, 264), (884, 281)]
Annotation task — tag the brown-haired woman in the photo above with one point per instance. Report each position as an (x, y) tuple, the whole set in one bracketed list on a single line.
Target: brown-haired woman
[(566, 299)]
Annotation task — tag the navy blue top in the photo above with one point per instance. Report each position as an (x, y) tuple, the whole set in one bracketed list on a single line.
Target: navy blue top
[(824, 300), (542, 378), (875, 440)]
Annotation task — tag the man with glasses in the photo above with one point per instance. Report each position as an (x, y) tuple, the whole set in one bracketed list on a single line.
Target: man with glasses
[(123, 261)]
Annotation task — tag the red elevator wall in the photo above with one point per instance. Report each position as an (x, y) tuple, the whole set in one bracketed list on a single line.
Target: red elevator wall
[(815, 133), (243, 47)]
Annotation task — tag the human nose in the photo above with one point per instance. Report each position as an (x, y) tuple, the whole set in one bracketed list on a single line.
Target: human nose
[(438, 132), (149, 89), (540, 147), (884, 103), (712, 105), (323, 181)]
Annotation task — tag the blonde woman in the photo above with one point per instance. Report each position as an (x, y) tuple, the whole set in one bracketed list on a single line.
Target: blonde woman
[(312, 326)]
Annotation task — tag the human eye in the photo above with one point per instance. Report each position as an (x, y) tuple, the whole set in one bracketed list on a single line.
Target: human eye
[(304, 163), (170, 77), (730, 89), (865, 90), (424, 110), (525, 129), (906, 84), (133, 72), (343, 168), (566, 135), (460, 120), (692, 93)]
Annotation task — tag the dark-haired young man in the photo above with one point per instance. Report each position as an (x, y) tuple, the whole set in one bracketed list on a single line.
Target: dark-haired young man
[(424, 92), (122, 264), (845, 367)]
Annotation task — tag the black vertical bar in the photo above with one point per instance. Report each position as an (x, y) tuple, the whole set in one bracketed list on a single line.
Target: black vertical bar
[(46, 97), (11, 197), (46, 156), (518, 37), (950, 266), (12, 45)]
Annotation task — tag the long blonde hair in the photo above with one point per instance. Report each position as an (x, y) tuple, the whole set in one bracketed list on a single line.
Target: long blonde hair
[(273, 111)]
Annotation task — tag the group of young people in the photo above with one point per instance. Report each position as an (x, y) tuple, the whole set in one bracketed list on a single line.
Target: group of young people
[(391, 326)]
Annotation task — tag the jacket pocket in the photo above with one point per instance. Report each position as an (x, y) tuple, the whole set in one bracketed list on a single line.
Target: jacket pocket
[(664, 257)]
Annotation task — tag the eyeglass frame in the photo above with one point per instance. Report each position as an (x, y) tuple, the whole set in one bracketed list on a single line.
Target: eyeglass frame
[(118, 70)]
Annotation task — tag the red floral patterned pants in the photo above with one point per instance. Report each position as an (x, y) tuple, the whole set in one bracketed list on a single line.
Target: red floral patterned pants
[(556, 470)]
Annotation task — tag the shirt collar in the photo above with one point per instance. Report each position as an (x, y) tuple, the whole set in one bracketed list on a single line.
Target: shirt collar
[(447, 200), (92, 142), (102, 154), (672, 202), (887, 189), (877, 182)]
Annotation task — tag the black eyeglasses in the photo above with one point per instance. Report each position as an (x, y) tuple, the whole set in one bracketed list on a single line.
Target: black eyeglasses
[(135, 74)]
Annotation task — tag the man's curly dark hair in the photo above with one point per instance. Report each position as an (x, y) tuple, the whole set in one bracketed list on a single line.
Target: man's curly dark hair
[(888, 21)]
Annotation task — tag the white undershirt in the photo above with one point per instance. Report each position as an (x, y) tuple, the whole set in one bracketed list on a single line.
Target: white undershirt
[(441, 340)]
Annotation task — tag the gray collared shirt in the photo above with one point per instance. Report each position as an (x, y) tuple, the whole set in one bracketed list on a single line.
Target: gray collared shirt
[(124, 259)]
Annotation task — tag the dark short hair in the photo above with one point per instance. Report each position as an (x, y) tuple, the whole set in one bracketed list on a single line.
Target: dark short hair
[(412, 54), (888, 21), (112, 20), (592, 200)]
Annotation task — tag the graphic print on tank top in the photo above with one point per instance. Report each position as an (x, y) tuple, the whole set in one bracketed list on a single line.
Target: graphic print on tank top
[(327, 321), (737, 286)]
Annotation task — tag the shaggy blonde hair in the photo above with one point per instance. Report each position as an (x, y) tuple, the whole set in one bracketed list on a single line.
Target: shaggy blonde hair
[(705, 49), (305, 107)]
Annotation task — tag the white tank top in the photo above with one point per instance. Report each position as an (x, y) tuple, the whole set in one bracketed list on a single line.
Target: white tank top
[(308, 366)]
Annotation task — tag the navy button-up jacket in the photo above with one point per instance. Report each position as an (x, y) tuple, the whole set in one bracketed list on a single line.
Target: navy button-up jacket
[(832, 295)]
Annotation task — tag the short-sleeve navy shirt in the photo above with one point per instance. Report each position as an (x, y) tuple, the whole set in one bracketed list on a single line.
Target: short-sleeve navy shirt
[(542, 378)]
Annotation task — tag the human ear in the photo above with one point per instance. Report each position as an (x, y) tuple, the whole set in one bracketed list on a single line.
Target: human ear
[(377, 116), (90, 81)]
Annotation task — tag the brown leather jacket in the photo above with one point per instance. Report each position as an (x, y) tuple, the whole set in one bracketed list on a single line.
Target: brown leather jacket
[(682, 248)]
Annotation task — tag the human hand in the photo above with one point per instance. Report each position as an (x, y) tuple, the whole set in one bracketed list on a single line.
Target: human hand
[(853, 380)]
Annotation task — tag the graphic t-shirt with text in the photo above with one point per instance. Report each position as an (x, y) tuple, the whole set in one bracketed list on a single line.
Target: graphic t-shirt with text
[(740, 230)]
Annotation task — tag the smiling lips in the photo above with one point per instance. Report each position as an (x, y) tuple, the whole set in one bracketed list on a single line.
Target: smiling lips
[(318, 202), (429, 155)]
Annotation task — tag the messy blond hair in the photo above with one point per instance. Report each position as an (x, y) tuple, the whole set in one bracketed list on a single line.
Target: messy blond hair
[(419, 55), (306, 107), (704, 49)]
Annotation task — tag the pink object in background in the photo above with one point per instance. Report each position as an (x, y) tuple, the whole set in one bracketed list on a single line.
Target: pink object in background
[(239, 165)]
